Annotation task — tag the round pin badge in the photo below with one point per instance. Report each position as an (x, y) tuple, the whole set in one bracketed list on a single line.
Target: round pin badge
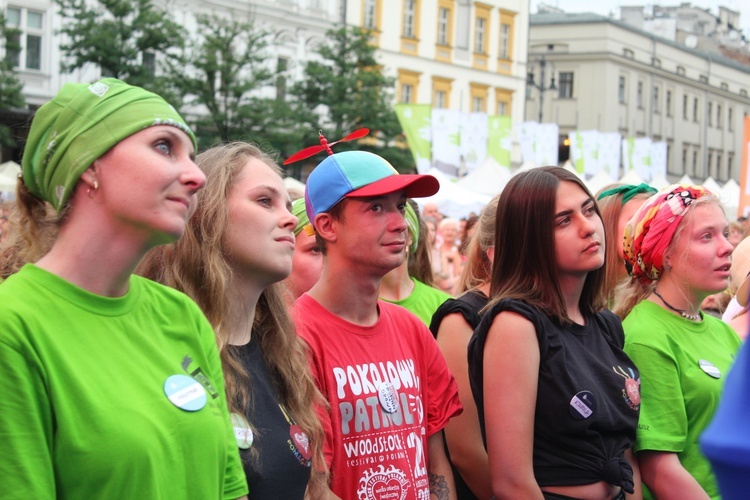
[(185, 392), (582, 405), (388, 397), (709, 368), (242, 431)]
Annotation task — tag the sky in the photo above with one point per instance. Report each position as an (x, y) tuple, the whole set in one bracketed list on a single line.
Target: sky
[(605, 7)]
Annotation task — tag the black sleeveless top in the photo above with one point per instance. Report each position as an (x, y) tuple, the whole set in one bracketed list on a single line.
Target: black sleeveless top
[(276, 465), (469, 305), (588, 397)]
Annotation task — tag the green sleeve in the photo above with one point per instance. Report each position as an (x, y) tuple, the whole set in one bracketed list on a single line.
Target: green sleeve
[(26, 430), (662, 425), (235, 484)]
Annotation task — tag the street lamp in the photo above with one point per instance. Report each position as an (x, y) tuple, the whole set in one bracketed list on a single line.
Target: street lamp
[(541, 86)]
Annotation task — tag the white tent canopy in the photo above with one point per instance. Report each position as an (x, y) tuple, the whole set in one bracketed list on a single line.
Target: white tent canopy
[(453, 200), (598, 181), (489, 178)]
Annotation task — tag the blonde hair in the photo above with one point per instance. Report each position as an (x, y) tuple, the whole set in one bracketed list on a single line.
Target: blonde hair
[(196, 265), (632, 291), (478, 267)]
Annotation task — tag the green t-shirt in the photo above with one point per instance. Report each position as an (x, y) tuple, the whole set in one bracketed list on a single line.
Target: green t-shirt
[(676, 358), (83, 407), (423, 301)]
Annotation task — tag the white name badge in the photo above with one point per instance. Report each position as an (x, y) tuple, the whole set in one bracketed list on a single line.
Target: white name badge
[(185, 392)]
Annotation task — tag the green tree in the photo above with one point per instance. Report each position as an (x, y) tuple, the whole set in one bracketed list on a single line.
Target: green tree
[(223, 69), (11, 95), (351, 85), (124, 38)]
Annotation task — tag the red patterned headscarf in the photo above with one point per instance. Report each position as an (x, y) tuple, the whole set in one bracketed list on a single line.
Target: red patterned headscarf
[(650, 230)]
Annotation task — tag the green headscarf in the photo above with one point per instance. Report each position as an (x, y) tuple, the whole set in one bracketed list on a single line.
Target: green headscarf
[(79, 125), (412, 220), (628, 191), (298, 209)]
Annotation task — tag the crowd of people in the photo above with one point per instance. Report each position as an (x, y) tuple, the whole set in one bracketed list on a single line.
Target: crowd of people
[(179, 325)]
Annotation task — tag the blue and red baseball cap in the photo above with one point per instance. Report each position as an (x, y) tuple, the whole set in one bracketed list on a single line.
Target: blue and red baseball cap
[(359, 174)]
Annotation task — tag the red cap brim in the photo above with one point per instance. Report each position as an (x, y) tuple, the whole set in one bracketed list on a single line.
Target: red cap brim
[(415, 185)]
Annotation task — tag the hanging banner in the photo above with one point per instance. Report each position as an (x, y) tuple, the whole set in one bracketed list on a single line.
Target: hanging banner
[(538, 142), (446, 140), (499, 139), (473, 127), (744, 206), (609, 153), (636, 155), (415, 122), (658, 160), (584, 151), (547, 143)]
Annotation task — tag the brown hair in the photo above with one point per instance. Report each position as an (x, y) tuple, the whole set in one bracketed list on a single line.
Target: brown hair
[(478, 268), (196, 264), (524, 266), (420, 266), (35, 226)]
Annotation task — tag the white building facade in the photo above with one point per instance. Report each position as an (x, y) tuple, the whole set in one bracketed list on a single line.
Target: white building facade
[(613, 77)]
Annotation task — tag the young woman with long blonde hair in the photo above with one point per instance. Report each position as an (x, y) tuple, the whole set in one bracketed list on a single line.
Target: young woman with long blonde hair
[(237, 249)]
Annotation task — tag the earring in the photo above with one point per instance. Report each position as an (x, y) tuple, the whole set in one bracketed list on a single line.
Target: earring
[(91, 190)]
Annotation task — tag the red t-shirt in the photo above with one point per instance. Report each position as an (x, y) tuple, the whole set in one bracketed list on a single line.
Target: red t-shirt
[(389, 390)]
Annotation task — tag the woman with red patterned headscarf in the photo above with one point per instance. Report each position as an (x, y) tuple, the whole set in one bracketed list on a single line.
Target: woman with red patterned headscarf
[(677, 244)]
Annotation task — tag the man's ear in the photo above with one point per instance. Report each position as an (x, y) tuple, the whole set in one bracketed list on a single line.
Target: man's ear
[(325, 226)]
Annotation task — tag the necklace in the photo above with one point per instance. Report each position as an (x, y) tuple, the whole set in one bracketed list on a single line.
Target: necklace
[(681, 312)]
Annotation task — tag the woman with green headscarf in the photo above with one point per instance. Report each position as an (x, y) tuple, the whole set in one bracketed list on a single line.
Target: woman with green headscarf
[(111, 383)]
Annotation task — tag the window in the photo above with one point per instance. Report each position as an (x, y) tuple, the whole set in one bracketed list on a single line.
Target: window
[(730, 125), (709, 165), (282, 64), (441, 91), (668, 103), (730, 161), (477, 104), (439, 99), (503, 97), (30, 24), (444, 16), (685, 106), (370, 21), (149, 63), (621, 90), (408, 83), (504, 41), (410, 12), (407, 91), (719, 171), (639, 95), (478, 94), (480, 35), (684, 157), (566, 85), (695, 109), (718, 116), (695, 162), (710, 114), (656, 100)]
